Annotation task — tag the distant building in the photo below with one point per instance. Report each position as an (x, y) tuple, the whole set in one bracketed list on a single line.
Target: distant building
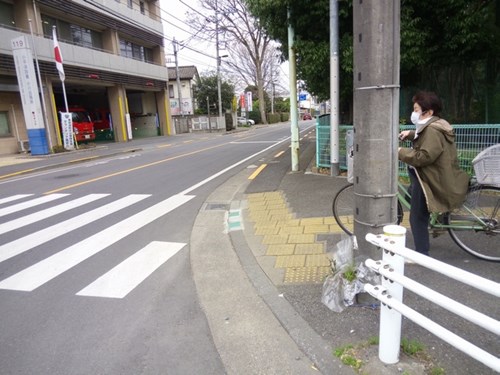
[(114, 60), (188, 77)]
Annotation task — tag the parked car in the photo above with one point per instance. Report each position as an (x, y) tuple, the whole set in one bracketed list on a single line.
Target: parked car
[(307, 116), (244, 121)]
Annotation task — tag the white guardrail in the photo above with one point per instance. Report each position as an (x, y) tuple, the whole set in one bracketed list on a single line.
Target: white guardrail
[(390, 293)]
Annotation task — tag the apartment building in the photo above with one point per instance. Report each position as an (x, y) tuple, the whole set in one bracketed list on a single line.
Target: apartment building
[(113, 57)]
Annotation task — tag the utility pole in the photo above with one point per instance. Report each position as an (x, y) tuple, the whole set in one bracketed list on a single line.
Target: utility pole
[(294, 123), (272, 85), (178, 77), (219, 98), (334, 88), (376, 117)]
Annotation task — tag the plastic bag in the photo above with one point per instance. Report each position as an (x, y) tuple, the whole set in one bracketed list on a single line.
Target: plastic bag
[(342, 254), (333, 295)]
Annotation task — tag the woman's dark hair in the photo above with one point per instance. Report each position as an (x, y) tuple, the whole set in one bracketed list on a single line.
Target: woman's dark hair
[(428, 100)]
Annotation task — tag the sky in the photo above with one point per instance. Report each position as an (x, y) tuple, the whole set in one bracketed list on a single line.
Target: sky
[(199, 53), (176, 25)]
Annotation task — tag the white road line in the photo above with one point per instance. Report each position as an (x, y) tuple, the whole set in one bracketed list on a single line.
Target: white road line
[(32, 240), (127, 275), (31, 203), (47, 269), (40, 215), (14, 198)]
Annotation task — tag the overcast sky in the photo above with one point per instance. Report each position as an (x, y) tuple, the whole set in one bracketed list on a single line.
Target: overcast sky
[(176, 24)]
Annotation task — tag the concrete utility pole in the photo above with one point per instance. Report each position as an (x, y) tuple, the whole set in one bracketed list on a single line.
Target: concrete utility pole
[(294, 123), (219, 97), (178, 77), (376, 116), (334, 88)]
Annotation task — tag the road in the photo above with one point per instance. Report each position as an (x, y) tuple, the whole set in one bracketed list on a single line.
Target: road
[(94, 258)]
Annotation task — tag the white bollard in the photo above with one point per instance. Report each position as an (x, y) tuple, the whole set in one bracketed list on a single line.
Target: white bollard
[(390, 319)]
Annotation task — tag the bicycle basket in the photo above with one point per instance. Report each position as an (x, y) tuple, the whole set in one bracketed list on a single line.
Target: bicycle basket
[(487, 166)]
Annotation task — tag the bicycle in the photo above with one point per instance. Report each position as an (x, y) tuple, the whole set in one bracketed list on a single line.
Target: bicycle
[(474, 226)]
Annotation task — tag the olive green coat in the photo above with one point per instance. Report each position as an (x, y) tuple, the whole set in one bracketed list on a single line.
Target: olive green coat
[(434, 156)]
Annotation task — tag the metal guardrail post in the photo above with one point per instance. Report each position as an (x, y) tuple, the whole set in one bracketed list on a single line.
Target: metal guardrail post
[(390, 319)]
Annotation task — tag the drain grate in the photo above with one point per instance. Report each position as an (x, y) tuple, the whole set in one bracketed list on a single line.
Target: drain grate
[(217, 206)]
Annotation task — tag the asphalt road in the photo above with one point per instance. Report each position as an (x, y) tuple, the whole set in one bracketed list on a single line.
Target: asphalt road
[(94, 270)]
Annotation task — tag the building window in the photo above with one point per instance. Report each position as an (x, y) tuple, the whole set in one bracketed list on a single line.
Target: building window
[(4, 125), (129, 3), (72, 33), (141, 7), (7, 15), (135, 51), (170, 91)]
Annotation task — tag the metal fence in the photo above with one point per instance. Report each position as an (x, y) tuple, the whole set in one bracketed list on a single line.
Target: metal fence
[(390, 293), (470, 139)]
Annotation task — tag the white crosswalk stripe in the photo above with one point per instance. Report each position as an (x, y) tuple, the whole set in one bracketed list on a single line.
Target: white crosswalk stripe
[(32, 203), (32, 240), (40, 215), (125, 277), (14, 198), (118, 282)]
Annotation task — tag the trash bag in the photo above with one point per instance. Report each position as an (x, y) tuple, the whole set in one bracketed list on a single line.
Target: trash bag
[(342, 253), (333, 293)]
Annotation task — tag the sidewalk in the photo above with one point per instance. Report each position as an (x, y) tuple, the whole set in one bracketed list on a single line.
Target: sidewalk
[(260, 284)]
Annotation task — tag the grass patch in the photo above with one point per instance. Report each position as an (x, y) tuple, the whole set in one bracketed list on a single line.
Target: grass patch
[(356, 355)]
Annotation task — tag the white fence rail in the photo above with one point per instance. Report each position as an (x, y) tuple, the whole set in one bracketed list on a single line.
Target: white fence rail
[(390, 293)]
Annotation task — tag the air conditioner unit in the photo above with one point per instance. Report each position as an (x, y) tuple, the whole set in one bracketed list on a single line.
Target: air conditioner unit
[(24, 146)]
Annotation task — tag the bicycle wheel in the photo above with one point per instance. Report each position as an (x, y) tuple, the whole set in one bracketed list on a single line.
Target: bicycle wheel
[(475, 226), (343, 209)]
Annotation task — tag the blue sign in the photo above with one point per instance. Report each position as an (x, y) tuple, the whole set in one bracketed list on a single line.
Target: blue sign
[(302, 97)]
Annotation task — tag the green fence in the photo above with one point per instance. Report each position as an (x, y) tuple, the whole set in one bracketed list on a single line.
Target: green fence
[(471, 139)]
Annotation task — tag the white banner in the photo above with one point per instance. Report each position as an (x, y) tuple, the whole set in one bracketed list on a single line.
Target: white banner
[(249, 101), (67, 130), (28, 86)]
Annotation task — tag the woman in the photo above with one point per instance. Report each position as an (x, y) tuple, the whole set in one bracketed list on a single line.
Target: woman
[(437, 182)]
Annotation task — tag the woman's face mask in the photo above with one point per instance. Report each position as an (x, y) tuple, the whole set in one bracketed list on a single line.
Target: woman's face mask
[(415, 116)]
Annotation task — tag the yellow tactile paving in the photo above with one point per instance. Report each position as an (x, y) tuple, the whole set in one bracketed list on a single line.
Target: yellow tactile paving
[(285, 261), (301, 238), (309, 248), (317, 228), (317, 260), (291, 230), (307, 274), (292, 241), (281, 249), (262, 231), (312, 221), (273, 239), (329, 220)]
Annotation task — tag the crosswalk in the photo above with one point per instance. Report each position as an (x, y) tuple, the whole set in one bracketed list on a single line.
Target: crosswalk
[(116, 283)]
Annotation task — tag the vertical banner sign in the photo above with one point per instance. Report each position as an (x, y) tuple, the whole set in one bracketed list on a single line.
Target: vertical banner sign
[(249, 101), (30, 99), (67, 130), (128, 121)]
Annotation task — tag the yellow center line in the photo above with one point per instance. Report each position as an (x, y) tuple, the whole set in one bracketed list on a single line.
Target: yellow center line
[(17, 173), (130, 170), (257, 171)]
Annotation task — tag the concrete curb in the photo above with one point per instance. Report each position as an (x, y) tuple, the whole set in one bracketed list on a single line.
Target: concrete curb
[(254, 329)]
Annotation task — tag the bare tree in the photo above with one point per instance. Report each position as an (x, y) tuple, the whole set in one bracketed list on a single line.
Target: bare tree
[(240, 36)]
